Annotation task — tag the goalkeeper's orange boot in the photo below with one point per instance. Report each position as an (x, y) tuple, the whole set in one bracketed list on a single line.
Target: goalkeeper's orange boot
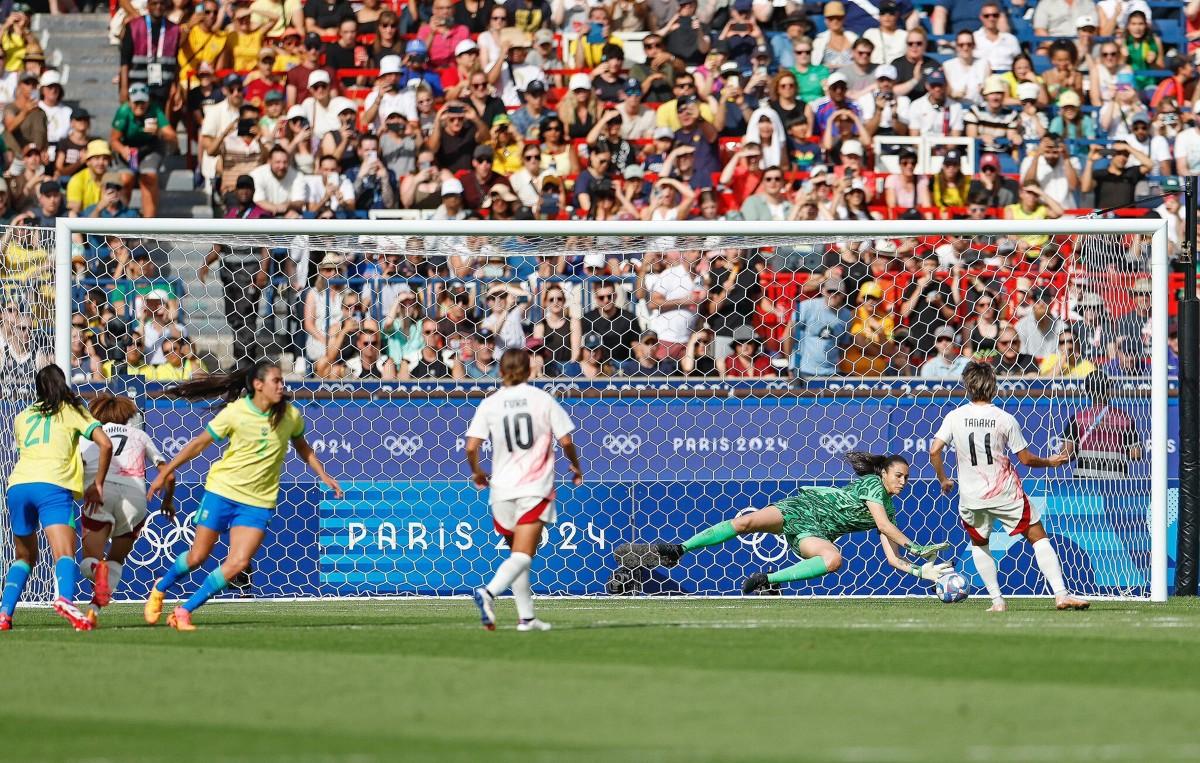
[(102, 594), (5, 622), (1067, 601), (154, 604), (93, 617), (181, 620)]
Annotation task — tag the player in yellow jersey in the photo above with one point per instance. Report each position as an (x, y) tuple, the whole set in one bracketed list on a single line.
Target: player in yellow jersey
[(258, 421), (44, 486)]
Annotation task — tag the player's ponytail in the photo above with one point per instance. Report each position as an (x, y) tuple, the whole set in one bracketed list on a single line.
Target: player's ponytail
[(864, 463), (53, 392), (231, 387)]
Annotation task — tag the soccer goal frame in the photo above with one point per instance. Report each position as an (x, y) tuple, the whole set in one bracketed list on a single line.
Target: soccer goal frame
[(68, 228)]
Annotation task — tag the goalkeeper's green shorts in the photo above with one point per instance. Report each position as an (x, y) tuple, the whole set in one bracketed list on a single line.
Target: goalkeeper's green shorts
[(799, 521)]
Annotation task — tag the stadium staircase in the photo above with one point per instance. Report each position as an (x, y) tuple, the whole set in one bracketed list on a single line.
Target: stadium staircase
[(78, 44)]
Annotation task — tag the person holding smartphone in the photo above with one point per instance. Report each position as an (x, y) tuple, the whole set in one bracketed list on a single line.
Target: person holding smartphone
[(140, 132)]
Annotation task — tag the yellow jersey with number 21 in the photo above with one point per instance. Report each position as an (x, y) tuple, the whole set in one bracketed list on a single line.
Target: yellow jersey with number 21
[(49, 447), (249, 471)]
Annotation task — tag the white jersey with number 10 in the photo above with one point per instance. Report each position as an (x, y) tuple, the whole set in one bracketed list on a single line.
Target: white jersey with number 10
[(983, 436), (523, 423)]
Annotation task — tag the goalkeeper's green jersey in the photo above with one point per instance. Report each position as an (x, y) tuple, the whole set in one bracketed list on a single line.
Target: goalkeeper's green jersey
[(829, 512)]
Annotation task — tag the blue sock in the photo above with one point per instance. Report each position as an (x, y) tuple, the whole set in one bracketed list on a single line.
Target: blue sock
[(213, 585), (178, 569), (65, 573), (14, 586)]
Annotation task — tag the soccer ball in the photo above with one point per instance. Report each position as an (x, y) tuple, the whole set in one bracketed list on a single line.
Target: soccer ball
[(952, 588)]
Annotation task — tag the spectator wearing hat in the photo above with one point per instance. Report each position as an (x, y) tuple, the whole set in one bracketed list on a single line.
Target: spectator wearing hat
[(915, 65), (579, 109), (290, 51), (416, 67), (887, 37), (1070, 122), (1144, 138), (872, 333), (298, 81), (218, 119), (949, 362), (607, 80), (322, 17), (817, 332), (47, 207), (683, 35), (150, 53), (948, 186), (822, 111), (935, 113), (747, 360), (882, 111), (1032, 123), (58, 115), (456, 79), (513, 71), (85, 187), (483, 364), (387, 97), (993, 122), (647, 358), (482, 177), (1049, 168), (140, 134), (451, 207), (592, 363), (263, 78), (528, 117), (1009, 359), (68, 156), (832, 48), (24, 120), (990, 186), (1116, 185), (637, 122), (657, 74)]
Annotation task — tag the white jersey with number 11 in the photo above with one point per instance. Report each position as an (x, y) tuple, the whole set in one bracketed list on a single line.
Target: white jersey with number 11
[(523, 423), (983, 436)]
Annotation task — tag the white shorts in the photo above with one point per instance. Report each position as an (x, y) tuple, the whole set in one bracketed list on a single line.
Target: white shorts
[(124, 508), (1014, 518), (506, 515)]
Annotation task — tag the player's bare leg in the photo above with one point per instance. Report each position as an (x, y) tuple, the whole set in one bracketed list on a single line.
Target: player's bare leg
[(525, 541), (1047, 562)]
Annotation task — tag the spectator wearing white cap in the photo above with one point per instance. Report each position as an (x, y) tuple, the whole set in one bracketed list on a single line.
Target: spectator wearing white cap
[(140, 134), (451, 207), (888, 37), (457, 78), (993, 121), (320, 107), (58, 116), (883, 112), (386, 96), (966, 73), (993, 42), (822, 110)]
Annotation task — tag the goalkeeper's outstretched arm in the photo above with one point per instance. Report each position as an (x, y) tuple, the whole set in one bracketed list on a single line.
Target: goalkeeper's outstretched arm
[(930, 571)]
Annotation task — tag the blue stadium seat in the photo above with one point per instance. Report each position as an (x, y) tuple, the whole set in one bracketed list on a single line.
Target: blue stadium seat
[(1171, 31)]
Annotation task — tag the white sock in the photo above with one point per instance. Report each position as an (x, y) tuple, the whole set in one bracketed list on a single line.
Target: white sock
[(985, 565), (1047, 562), (523, 594), (508, 571), (114, 574), (88, 567)]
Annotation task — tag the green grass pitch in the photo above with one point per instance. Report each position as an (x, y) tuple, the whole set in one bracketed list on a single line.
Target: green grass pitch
[(616, 680)]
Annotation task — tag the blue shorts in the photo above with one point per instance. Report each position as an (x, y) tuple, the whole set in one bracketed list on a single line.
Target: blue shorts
[(219, 514), (35, 503)]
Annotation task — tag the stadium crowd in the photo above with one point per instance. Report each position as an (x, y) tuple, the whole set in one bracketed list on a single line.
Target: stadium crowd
[(658, 110)]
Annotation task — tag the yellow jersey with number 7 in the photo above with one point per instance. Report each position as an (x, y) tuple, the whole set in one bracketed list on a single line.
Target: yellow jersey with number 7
[(249, 471), (49, 447)]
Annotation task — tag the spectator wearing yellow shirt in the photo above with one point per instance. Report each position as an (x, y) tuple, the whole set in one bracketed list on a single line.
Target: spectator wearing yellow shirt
[(86, 187), (204, 42), (506, 145), (176, 366), (872, 332), (588, 50), (1067, 361), (16, 39), (133, 365), (246, 39)]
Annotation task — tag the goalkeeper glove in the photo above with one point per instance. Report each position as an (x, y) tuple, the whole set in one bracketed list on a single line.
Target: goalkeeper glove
[(928, 553), (931, 571)]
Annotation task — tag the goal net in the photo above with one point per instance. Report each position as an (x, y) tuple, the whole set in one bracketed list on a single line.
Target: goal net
[(711, 370)]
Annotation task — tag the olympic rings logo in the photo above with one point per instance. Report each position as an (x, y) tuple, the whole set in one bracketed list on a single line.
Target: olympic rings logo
[(155, 544), (621, 445), (834, 444), (404, 446), (760, 543), (172, 445)]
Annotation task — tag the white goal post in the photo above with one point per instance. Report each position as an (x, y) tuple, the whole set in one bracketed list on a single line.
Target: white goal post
[(423, 549)]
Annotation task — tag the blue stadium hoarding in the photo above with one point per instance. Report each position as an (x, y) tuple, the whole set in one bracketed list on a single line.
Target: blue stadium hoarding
[(658, 467)]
